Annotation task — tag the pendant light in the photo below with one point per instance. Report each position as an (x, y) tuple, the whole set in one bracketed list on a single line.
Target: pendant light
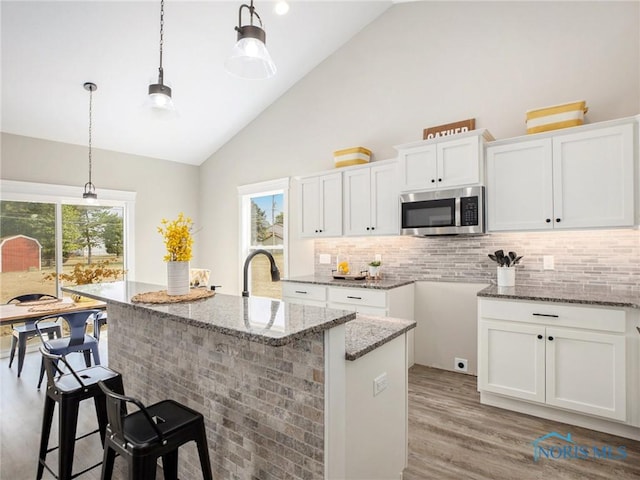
[(250, 58), (159, 93), (89, 188)]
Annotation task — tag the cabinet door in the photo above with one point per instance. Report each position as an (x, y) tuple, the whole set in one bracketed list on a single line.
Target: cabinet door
[(586, 372), (330, 213), (309, 207), (458, 162), (511, 359), (357, 202), (519, 193), (418, 168), (593, 178), (384, 200)]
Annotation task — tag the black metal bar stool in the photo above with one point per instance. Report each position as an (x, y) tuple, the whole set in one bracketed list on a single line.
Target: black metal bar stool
[(151, 432), (67, 391)]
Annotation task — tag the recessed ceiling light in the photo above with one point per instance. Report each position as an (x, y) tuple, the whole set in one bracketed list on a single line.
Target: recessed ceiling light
[(282, 7)]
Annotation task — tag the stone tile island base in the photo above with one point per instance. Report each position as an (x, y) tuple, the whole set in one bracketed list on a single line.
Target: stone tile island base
[(263, 406)]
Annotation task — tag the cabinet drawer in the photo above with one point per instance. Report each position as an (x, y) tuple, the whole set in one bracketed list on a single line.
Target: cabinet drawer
[(553, 314), (358, 296), (305, 291)]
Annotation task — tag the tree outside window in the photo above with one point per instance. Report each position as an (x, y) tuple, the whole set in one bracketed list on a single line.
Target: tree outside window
[(267, 232)]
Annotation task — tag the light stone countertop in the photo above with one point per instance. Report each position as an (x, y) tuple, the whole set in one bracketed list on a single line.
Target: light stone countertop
[(564, 294), (366, 333), (382, 284), (257, 319)]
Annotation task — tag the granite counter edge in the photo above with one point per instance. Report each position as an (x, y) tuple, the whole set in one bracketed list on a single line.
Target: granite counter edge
[(356, 354), (351, 283), (557, 299)]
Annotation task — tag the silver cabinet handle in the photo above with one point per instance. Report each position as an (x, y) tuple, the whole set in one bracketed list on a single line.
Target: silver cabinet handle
[(354, 298), (300, 291), (545, 315)]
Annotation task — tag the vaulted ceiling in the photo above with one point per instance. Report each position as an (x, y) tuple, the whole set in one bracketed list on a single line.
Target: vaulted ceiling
[(51, 48)]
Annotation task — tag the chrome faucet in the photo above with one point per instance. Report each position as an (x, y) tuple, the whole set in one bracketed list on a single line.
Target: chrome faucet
[(275, 273)]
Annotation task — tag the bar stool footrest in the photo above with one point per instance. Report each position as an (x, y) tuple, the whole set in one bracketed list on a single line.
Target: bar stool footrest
[(74, 475), (97, 430)]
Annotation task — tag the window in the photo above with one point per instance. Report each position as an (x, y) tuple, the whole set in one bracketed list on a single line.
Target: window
[(27, 248), (47, 229), (264, 226)]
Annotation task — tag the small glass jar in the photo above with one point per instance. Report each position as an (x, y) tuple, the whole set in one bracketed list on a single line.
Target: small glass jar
[(343, 266)]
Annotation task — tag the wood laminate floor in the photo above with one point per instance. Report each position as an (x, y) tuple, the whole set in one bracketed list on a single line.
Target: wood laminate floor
[(451, 436)]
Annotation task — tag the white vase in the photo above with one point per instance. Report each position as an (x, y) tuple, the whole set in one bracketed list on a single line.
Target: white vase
[(374, 272), (177, 278), (506, 276)]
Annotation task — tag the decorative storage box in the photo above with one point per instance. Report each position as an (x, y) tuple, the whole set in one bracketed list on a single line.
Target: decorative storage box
[(351, 156), (557, 116), (199, 277)]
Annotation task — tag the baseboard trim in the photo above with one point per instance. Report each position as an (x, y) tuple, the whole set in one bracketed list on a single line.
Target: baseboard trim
[(543, 411)]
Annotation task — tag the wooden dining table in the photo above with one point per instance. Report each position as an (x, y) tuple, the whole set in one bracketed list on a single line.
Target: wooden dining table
[(25, 311)]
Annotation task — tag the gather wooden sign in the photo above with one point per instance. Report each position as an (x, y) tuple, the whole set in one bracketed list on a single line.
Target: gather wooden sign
[(449, 129)]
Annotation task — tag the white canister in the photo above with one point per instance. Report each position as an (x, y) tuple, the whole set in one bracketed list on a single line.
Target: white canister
[(506, 276)]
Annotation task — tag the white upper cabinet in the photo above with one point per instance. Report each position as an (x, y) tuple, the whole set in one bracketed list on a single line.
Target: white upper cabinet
[(593, 178), (519, 186), (582, 179), (443, 162), (371, 200), (321, 205)]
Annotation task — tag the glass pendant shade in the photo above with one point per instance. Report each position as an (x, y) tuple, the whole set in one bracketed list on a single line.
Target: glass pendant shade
[(250, 57), (90, 194), (160, 97)]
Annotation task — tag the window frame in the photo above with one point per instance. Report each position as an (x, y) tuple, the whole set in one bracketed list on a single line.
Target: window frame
[(17, 191), (261, 189)]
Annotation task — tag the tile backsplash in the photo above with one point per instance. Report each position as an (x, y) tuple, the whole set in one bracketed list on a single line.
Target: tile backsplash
[(593, 259)]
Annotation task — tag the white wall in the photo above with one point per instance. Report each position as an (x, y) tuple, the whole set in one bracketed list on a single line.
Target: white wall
[(423, 64), (163, 188)]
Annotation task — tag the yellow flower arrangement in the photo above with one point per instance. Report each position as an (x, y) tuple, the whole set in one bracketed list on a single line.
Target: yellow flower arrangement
[(177, 238)]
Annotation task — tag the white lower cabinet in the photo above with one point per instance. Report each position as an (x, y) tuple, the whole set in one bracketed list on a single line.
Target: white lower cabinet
[(574, 358), (511, 359), (394, 302), (586, 372)]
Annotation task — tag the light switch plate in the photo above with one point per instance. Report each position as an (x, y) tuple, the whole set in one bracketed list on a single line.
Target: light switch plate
[(378, 257), (380, 384), (324, 259), (547, 262)]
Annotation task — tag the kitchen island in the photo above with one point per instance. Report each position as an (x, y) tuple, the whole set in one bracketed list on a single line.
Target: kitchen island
[(269, 377)]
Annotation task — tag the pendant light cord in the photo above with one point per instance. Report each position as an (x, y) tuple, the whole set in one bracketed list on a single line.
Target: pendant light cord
[(90, 121), (161, 74)]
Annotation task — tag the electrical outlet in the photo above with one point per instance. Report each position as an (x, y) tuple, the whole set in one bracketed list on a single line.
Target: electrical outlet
[(380, 384), (547, 262), (378, 257), (460, 364), (324, 259)]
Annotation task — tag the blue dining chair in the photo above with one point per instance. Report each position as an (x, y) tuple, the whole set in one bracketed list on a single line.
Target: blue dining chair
[(99, 320), (77, 341), (21, 334)]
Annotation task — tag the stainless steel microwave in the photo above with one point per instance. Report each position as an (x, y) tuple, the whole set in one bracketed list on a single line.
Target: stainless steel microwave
[(443, 212)]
